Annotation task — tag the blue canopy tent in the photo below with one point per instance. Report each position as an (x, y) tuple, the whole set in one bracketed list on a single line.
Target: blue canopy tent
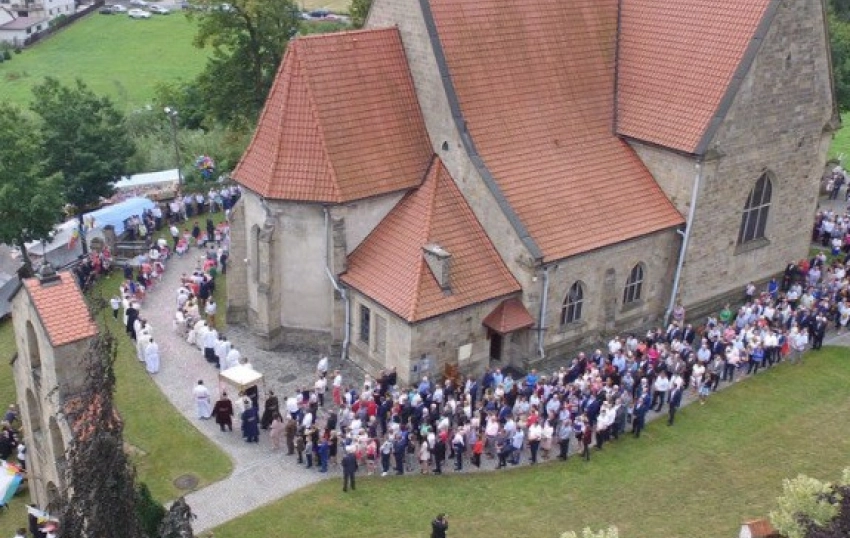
[(115, 215)]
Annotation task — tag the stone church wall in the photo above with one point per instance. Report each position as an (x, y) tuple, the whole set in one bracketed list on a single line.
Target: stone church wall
[(777, 123)]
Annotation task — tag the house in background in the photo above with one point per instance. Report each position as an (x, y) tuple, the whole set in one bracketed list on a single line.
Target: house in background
[(504, 180), (19, 20)]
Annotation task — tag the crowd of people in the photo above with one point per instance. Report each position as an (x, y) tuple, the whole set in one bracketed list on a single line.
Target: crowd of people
[(592, 400), (195, 313)]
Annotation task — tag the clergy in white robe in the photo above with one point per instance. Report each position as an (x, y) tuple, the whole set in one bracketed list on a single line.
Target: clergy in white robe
[(152, 357), (233, 357), (143, 338), (203, 403)]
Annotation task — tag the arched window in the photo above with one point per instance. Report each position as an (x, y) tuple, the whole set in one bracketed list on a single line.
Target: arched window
[(573, 303), (754, 218), (634, 285), (32, 346)]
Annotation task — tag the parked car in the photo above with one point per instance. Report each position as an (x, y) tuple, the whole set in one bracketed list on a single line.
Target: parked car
[(118, 8), (106, 10), (138, 14), (159, 10), (138, 3)]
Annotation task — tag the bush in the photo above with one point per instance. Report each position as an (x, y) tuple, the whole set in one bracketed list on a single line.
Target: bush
[(150, 512), (7, 55), (18, 50)]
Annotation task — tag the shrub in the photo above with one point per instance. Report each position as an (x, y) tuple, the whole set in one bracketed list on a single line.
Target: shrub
[(7, 55)]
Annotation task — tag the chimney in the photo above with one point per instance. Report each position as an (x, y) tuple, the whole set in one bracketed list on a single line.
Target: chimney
[(47, 275), (439, 262)]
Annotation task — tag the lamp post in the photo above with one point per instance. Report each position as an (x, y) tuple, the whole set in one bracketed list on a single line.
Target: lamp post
[(172, 115)]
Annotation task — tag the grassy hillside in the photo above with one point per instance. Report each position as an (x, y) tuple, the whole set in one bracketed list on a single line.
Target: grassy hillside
[(114, 54)]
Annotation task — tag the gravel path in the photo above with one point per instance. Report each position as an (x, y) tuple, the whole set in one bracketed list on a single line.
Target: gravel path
[(259, 474)]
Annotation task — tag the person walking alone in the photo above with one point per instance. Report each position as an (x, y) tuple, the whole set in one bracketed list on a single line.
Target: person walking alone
[(349, 468)]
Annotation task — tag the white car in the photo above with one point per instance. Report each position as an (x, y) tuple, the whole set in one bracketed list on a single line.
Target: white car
[(138, 3), (118, 8), (138, 14), (159, 10)]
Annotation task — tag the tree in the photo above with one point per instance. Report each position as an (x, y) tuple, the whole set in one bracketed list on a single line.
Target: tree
[(358, 11), (84, 138), (248, 38), (841, 9), (30, 199), (839, 38), (100, 494), (150, 512), (805, 504)]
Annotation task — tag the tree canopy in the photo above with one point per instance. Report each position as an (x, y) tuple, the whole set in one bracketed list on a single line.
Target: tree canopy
[(248, 38), (358, 11), (30, 199), (83, 137)]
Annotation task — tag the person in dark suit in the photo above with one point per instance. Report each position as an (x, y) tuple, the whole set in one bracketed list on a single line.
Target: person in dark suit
[(250, 425), (674, 404), (349, 468), (439, 526), (818, 330), (641, 408)]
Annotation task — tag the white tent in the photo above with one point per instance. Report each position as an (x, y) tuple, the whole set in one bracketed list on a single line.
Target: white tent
[(164, 178)]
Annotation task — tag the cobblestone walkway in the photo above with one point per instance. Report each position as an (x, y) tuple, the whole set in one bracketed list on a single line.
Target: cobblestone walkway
[(260, 475)]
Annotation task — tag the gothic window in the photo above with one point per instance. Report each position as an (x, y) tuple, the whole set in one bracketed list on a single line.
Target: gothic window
[(754, 217), (573, 303), (365, 323), (634, 285)]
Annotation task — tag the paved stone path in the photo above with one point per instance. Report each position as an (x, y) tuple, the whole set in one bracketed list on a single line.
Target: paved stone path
[(260, 476)]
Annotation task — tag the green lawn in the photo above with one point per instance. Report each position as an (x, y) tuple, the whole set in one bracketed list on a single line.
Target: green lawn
[(171, 446), (115, 55), (722, 463), (337, 6), (841, 142)]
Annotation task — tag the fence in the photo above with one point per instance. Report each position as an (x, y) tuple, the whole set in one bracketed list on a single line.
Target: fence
[(59, 23)]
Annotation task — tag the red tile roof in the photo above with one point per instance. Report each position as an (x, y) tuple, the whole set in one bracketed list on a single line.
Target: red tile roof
[(677, 59), (511, 315), (535, 84), (390, 268), (761, 528), (341, 122), (61, 309)]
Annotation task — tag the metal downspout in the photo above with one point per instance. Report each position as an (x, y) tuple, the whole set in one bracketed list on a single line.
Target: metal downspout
[(686, 237), (342, 291), (542, 323)]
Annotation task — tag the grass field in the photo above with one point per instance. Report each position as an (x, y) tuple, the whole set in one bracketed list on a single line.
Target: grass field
[(114, 55), (170, 445), (720, 464), (337, 6), (841, 142)]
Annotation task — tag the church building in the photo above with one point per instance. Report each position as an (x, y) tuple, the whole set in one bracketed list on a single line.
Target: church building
[(499, 181)]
